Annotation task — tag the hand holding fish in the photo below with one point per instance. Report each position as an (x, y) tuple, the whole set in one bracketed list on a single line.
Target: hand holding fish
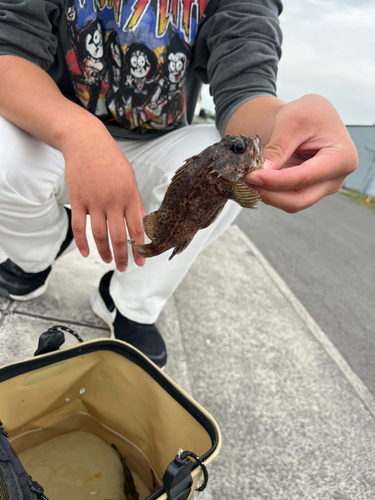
[(309, 152)]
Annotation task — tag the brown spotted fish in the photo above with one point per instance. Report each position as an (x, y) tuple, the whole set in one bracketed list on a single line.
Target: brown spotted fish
[(198, 192), (129, 486)]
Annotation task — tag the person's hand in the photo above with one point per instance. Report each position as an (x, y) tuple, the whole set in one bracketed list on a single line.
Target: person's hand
[(308, 155), (101, 183), (99, 179)]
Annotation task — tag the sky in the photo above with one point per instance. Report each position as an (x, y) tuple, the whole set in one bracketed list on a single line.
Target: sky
[(328, 49)]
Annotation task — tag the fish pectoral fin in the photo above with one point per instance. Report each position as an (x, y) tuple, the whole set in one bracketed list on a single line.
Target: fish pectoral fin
[(180, 248), (244, 195), (150, 224)]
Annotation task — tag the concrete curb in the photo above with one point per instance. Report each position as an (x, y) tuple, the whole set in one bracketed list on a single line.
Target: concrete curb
[(357, 384)]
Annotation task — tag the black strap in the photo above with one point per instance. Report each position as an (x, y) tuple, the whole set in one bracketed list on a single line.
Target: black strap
[(177, 478), (53, 339), (190, 454), (59, 328)]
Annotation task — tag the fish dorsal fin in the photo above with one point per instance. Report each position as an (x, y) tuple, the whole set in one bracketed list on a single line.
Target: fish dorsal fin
[(244, 195), (177, 176), (180, 248), (150, 224)]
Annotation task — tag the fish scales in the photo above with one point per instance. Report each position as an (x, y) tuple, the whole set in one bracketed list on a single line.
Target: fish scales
[(199, 191)]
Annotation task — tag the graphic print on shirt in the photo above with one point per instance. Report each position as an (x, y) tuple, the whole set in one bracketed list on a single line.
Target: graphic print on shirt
[(128, 60)]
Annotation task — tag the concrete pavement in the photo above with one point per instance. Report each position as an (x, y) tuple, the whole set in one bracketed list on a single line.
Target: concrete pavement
[(326, 255), (297, 423)]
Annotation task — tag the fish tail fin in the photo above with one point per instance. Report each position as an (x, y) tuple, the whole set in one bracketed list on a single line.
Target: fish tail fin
[(150, 224), (147, 250)]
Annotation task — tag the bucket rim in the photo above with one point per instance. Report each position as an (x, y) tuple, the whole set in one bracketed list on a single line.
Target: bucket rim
[(200, 414)]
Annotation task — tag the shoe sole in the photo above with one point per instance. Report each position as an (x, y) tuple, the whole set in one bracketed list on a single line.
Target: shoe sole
[(28, 296), (42, 289), (100, 309)]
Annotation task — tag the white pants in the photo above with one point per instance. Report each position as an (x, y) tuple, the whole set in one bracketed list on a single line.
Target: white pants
[(33, 221)]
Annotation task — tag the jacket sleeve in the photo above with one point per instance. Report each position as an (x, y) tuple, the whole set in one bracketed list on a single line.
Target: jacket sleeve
[(237, 53), (28, 29)]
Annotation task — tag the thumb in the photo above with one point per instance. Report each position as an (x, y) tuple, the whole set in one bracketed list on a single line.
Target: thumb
[(276, 153), (295, 124), (286, 137)]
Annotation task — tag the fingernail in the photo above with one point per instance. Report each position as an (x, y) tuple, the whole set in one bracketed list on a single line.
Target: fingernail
[(267, 163), (108, 260), (121, 268), (84, 252), (253, 179)]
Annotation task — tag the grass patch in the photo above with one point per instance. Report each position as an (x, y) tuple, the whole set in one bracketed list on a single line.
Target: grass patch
[(359, 198)]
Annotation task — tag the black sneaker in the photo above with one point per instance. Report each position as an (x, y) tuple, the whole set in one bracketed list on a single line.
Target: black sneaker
[(16, 284), (146, 338)]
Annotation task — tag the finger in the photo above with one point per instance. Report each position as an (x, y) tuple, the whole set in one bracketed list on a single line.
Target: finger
[(138, 259), (306, 126), (119, 240), (291, 130), (142, 207), (296, 200), (79, 230), (100, 234), (324, 166), (136, 230)]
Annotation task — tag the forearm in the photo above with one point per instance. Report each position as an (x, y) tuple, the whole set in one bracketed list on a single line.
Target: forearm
[(30, 99), (255, 117)]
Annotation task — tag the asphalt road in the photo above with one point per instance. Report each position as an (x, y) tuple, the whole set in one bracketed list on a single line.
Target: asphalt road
[(326, 255)]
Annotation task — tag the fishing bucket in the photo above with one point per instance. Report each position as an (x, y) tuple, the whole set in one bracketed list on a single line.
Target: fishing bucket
[(99, 421)]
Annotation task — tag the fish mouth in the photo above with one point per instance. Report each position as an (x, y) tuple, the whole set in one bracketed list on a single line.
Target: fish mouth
[(218, 178), (223, 174)]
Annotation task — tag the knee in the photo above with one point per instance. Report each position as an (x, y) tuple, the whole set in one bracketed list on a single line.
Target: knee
[(29, 168)]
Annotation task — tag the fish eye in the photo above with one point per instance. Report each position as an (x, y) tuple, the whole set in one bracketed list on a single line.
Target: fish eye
[(238, 146)]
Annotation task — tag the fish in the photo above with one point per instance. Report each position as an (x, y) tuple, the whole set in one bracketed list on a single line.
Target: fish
[(199, 191), (129, 486)]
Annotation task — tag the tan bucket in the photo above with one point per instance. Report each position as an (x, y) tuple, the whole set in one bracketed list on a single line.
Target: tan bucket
[(118, 404)]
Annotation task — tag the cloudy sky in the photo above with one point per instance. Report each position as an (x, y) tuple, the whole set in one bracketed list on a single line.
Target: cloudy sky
[(329, 49)]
